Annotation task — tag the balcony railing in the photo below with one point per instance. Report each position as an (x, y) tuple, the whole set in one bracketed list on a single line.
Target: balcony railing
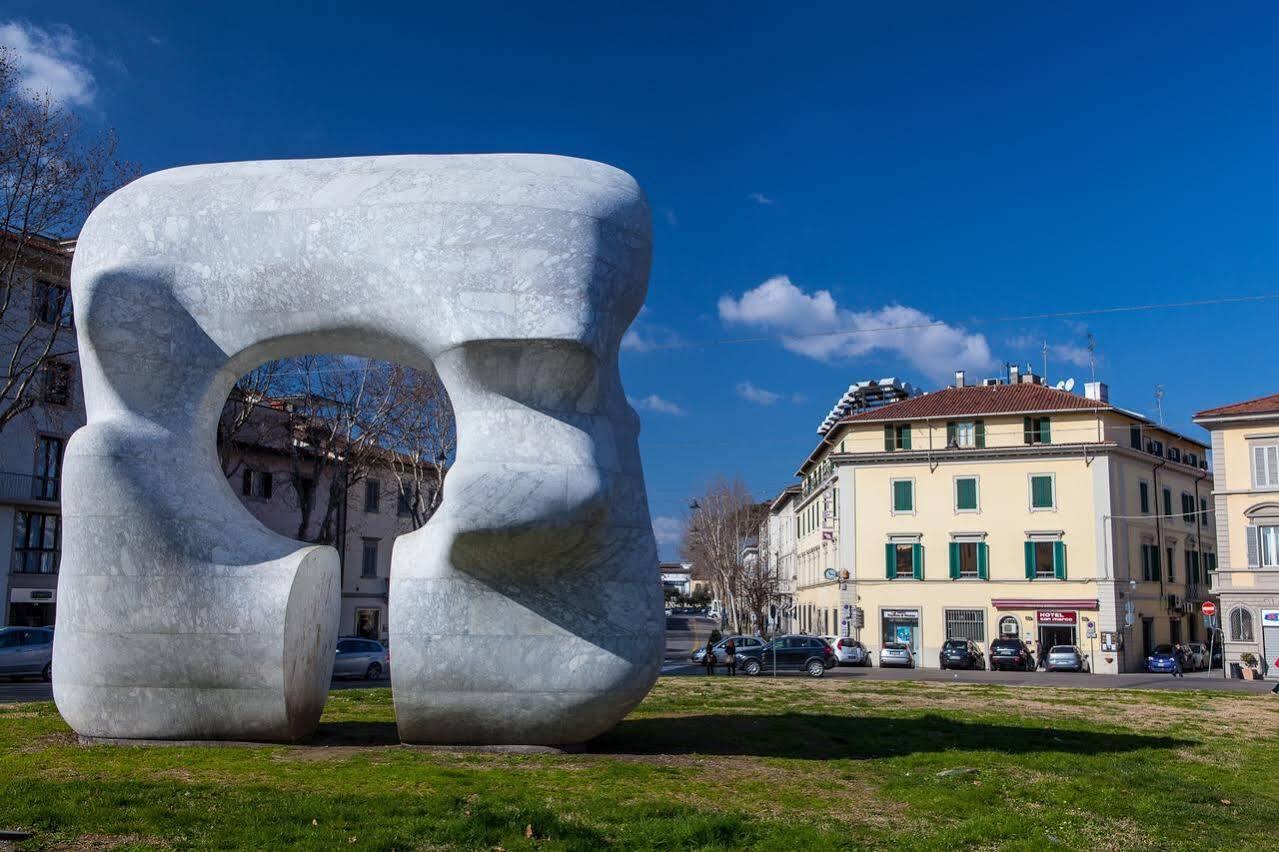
[(23, 487)]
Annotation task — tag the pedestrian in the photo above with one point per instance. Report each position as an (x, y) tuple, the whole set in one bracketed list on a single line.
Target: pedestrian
[(1276, 689), (1177, 656), (730, 657), (709, 659)]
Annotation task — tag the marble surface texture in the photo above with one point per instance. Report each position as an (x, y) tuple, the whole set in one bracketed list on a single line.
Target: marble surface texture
[(526, 611)]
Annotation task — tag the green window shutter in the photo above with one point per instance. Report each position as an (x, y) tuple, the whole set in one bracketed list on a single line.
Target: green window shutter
[(1041, 492), (917, 560), (983, 561), (1145, 562), (1026, 430), (1045, 430), (890, 569), (1144, 491), (954, 560), (950, 433), (966, 494), (1155, 572), (903, 496), (1059, 560), (888, 439), (1030, 560), (905, 436), (979, 434)]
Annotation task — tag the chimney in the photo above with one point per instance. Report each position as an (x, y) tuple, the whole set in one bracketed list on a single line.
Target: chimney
[(1014, 374), (959, 378), (1097, 391)]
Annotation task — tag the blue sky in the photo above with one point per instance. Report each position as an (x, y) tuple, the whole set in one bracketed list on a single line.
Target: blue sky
[(958, 163)]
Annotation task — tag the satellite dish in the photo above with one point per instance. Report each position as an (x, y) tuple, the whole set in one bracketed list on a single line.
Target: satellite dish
[(1060, 386), (1070, 384)]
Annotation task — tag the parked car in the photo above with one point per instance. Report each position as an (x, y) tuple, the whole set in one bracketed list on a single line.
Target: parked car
[(1011, 654), (896, 655), (848, 651), (361, 658), (1196, 656), (740, 642), (961, 654), (808, 654), (1066, 658), (26, 652), (1164, 659)]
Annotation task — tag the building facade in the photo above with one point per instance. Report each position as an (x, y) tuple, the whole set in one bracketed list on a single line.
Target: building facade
[(1245, 461), (777, 541), (1006, 509)]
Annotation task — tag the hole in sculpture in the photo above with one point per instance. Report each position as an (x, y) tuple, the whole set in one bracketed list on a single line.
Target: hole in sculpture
[(345, 451)]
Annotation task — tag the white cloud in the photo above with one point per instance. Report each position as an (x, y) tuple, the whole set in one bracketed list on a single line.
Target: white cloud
[(778, 306), (645, 336), (747, 391), (1069, 353), (761, 198), (668, 530), (49, 62), (653, 402)]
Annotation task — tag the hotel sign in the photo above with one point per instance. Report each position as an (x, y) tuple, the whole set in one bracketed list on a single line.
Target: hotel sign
[(1056, 616)]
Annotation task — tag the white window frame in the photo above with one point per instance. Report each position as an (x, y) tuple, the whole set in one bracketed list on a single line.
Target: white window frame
[(970, 427), (954, 493), (892, 496), (1265, 476), (1030, 492), (1268, 545)]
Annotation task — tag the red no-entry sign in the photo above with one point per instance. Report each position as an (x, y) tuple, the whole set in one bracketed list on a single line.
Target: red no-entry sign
[(1209, 608)]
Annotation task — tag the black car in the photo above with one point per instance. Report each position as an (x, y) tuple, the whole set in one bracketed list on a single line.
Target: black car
[(809, 654), (1011, 654), (962, 654)]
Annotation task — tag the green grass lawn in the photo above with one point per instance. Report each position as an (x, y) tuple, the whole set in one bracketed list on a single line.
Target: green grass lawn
[(788, 765)]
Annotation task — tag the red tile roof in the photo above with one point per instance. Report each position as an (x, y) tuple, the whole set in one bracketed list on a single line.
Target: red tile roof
[(980, 399), (1260, 405)]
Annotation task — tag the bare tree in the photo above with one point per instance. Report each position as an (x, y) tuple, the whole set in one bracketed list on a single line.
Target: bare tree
[(51, 176), (421, 440), (720, 524), (758, 585), (246, 411)]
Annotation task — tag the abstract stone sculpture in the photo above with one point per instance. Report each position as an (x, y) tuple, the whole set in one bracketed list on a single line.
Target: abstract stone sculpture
[(526, 611)]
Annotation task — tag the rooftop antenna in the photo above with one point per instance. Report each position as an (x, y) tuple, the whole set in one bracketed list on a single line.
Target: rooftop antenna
[(1044, 349), (1159, 402), (1092, 355)]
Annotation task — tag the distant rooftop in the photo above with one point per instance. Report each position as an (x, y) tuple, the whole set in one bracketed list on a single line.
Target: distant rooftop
[(1260, 405), (976, 400)]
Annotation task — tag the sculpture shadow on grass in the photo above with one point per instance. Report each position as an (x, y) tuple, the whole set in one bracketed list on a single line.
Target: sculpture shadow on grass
[(818, 736)]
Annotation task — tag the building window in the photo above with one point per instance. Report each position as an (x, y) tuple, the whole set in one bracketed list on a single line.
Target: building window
[(1204, 517), (1241, 625), (37, 543), (48, 475), (1168, 503), (1265, 465), (1192, 566), (1150, 568), (1037, 430), (405, 500), (1187, 507), (1134, 437), (969, 560), (372, 495), (368, 558), (1043, 494), (966, 624), (1172, 564), (966, 434), (1009, 626), (904, 559), (966, 494), (1143, 494), (55, 383), (903, 496), (256, 483), (53, 304), (897, 436), (1045, 560), (1263, 547)]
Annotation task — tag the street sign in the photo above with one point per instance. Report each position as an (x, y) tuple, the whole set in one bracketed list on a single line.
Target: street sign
[(1092, 630), (1209, 608)]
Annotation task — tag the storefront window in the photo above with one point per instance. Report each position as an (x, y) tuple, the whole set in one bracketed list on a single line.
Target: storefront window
[(902, 625), (966, 624)]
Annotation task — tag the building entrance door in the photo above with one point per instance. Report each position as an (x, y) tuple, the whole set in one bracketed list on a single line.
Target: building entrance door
[(1270, 642), (366, 623), (902, 625), (1055, 634), (1147, 637)]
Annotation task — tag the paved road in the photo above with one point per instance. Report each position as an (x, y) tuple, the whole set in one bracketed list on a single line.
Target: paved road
[(1192, 680), (11, 693)]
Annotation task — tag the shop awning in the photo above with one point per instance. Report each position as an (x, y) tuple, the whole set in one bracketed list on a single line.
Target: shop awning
[(1040, 603)]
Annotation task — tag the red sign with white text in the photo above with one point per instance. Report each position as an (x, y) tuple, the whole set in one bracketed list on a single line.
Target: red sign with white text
[(1209, 608), (1056, 616)]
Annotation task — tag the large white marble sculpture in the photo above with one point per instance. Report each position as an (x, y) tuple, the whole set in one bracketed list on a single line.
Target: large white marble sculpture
[(525, 611)]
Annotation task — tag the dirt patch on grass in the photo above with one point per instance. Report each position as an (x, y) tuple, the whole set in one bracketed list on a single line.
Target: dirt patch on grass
[(112, 841)]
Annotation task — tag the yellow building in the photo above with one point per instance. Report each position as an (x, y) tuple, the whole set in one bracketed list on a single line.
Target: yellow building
[(1245, 462), (1005, 509)]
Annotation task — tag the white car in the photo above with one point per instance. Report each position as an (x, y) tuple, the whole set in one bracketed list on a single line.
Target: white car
[(1196, 656), (848, 651)]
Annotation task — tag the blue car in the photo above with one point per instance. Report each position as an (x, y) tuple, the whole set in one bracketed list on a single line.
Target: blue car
[(1164, 659)]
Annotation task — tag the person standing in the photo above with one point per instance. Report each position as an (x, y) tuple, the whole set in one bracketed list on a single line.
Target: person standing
[(709, 659), (730, 657), (1178, 656)]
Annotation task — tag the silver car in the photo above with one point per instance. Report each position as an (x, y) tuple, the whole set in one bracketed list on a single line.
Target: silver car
[(361, 658), (1196, 654), (26, 652), (896, 654), (741, 643), (1065, 658), (848, 651)]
